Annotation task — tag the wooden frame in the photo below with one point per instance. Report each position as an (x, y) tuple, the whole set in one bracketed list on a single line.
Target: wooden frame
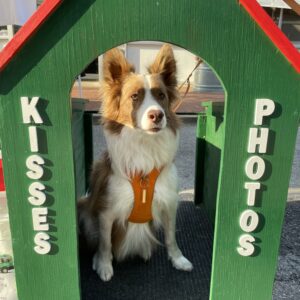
[(40, 65)]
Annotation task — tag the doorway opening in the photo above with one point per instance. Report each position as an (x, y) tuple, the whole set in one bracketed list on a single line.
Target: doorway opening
[(135, 279)]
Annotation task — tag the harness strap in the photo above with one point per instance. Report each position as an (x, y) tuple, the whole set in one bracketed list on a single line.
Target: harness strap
[(143, 188)]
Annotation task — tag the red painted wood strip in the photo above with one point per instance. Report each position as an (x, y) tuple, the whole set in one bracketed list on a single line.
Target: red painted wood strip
[(273, 32), (253, 8), (29, 28)]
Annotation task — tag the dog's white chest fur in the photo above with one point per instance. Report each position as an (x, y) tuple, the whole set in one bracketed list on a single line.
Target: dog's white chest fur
[(134, 151), (121, 194)]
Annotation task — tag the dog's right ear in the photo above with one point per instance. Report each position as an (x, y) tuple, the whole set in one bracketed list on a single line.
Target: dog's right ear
[(115, 66), (165, 65)]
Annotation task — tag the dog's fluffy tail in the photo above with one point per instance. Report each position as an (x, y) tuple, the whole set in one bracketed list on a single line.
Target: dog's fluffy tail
[(88, 223), (138, 239)]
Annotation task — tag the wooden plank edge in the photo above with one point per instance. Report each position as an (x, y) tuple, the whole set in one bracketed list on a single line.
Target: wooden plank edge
[(293, 194), (293, 5), (273, 32), (27, 31)]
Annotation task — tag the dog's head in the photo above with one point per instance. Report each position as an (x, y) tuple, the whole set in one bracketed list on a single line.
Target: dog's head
[(142, 102)]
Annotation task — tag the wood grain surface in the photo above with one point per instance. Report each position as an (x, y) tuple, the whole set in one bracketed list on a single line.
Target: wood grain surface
[(249, 66)]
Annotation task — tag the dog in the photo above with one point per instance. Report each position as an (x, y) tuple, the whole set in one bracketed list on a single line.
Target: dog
[(142, 134)]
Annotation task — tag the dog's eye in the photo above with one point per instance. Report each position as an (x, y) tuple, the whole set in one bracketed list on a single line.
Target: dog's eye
[(135, 96), (161, 96)]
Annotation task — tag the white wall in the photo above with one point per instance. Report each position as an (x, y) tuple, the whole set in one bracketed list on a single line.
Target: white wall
[(5, 35), (142, 54), (275, 3), (16, 12)]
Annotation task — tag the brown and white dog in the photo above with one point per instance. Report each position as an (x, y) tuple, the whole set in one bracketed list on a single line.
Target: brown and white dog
[(141, 132)]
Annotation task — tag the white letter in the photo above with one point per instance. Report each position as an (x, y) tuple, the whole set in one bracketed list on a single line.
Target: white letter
[(251, 187), (249, 220), (260, 169), (39, 218), (42, 244), (33, 163), (263, 107), (38, 197), (29, 110), (34, 146), (245, 242), (261, 141)]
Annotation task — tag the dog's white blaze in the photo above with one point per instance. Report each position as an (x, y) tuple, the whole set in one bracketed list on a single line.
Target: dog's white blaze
[(147, 78), (148, 104)]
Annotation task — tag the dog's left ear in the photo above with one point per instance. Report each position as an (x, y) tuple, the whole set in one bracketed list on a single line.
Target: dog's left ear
[(115, 66), (165, 65)]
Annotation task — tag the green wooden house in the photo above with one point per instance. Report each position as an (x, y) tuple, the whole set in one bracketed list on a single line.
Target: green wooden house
[(248, 147)]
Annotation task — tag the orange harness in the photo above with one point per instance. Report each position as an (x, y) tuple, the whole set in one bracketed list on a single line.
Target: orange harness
[(143, 188)]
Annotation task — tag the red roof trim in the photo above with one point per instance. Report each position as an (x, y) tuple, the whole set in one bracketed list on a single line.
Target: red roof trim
[(251, 6), (24, 34), (273, 32)]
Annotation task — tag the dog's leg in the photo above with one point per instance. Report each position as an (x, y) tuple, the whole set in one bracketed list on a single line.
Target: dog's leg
[(169, 222), (102, 261)]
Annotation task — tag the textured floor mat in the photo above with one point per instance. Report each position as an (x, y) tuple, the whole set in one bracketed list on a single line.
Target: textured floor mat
[(157, 279), (287, 280)]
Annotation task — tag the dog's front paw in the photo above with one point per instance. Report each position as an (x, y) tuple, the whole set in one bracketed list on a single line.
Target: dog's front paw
[(104, 269), (181, 263)]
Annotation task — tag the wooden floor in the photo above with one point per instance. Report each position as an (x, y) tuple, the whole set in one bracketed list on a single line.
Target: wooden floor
[(191, 102)]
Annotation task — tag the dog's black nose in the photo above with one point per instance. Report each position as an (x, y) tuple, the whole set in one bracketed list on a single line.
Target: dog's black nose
[(155, 116)]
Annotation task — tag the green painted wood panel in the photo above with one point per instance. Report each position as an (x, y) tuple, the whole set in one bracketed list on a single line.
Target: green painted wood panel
[(210, 140), (42, 276), (249, 66)]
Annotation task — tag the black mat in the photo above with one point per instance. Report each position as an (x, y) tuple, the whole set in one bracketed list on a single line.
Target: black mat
[(157, 279), (287, 280)]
